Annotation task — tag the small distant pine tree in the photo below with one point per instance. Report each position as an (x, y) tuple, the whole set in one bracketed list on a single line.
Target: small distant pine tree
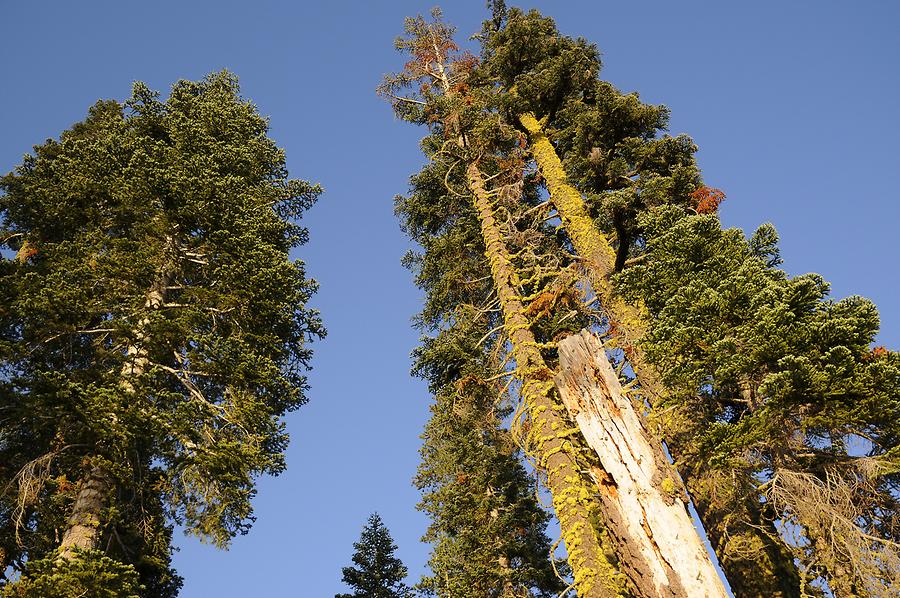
[(376, 573)]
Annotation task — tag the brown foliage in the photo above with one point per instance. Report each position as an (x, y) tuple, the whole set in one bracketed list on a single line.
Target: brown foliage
[(878, 352), (468, 381), (825, 516), (544, 304), (707, 199)]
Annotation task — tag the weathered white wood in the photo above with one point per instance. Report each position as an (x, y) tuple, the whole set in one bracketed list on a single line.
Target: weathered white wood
[(643, 500)]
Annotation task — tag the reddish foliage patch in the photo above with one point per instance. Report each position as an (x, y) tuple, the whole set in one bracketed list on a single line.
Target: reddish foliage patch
[(707, 199), (879, 352)]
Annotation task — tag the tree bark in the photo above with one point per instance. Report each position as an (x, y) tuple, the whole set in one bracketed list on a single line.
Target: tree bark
[(136, 354), (629, 322), (83, 531), (644, 505)]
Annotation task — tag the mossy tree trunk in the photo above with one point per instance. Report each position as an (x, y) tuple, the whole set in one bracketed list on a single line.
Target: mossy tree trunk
[(591, 244), (550, 437), (770, 572)]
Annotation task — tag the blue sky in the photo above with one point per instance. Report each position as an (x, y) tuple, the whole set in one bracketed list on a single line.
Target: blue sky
[(793, 105)]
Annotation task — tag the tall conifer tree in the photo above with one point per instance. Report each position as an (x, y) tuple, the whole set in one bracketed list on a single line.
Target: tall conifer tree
[(476, 191), (622, 165), (775, 377), (775, 443), (487, 528), (154, 331)]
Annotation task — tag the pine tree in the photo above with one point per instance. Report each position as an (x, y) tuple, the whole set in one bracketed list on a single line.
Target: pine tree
[(377, 572), (487, 528), (153, 332), (611, 175), (496, 544)]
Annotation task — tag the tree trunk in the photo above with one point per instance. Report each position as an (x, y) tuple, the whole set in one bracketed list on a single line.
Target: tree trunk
[(644, 505), (84, 523), (83, 531), (136, 354), (757, 563), (549, 439), (628, 323)]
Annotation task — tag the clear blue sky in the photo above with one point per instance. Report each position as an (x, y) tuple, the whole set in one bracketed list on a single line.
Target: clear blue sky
[(793, 104)]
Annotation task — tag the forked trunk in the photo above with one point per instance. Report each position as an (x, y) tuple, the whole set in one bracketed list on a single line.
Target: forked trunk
[(628, 321)]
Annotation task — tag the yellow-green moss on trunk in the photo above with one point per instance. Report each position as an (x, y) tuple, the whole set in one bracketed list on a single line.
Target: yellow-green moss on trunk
[(550, 437), (628, 322)]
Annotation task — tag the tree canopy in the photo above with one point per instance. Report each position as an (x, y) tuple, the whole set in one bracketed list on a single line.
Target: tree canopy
[(779, 413), (155, 331)]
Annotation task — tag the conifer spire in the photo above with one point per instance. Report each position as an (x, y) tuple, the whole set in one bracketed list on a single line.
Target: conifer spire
[(548, 436), (376, 572)]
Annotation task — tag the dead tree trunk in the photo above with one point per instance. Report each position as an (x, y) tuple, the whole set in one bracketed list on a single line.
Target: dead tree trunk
[(643, 503)]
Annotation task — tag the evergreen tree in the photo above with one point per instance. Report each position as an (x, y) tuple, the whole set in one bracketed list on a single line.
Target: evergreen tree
[(466, 202), (487, 528), (153, 332), (376, 573), (755, 373), (771, 446), (779, 386)]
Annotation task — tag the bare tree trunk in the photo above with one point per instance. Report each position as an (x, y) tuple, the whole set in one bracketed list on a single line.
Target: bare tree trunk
[(137, 354), (644, 505)]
